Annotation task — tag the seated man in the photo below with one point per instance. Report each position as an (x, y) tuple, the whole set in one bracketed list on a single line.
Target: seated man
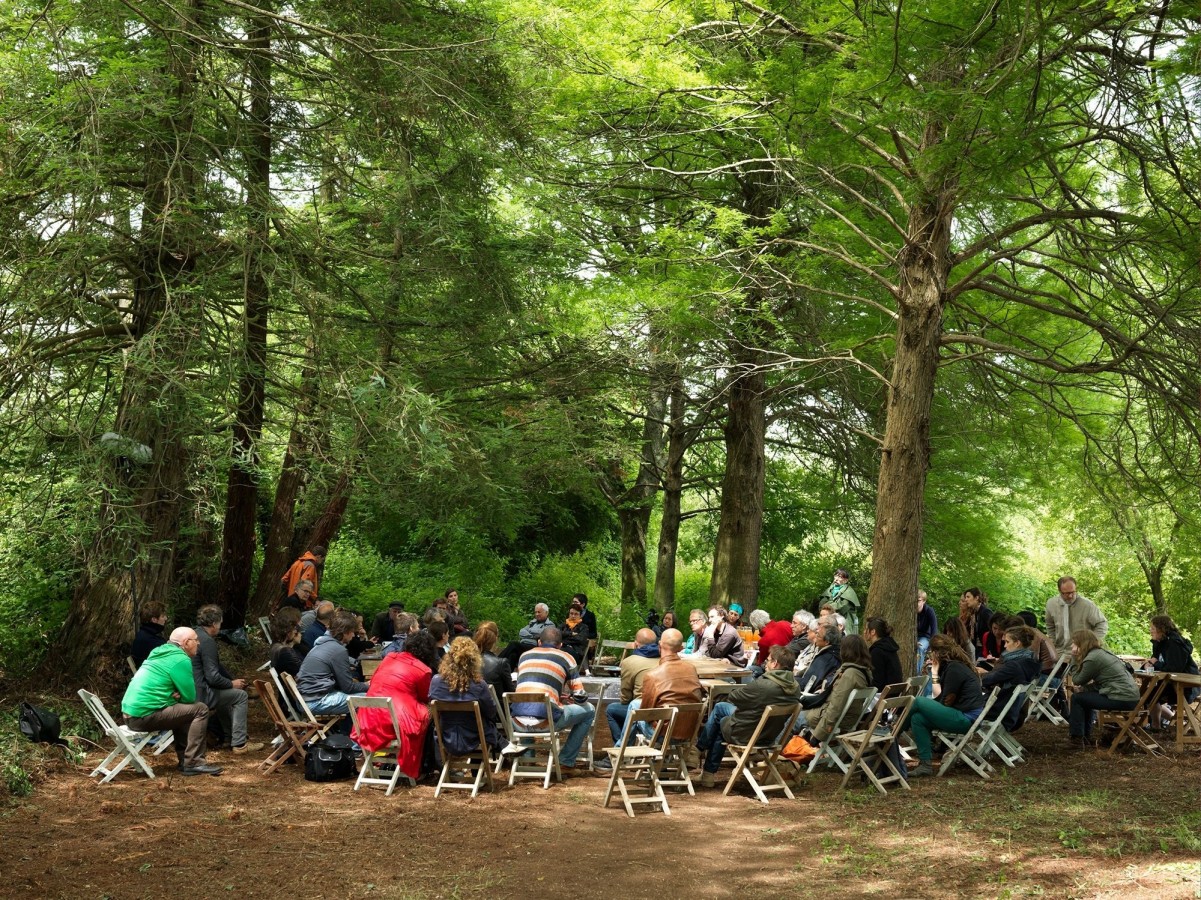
[(154, 617), (801, 619), (549, 670), (735, 720), (162, 695), (825, 662), (696, 623), (643, 658), (301, 599), (322, 614), (673, 682), (326, 678), (721, 640), (406, 624), (527, 638), (223, 693), (384, 629)]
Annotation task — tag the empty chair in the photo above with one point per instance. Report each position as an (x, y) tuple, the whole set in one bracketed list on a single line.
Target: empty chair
[(641, 760)]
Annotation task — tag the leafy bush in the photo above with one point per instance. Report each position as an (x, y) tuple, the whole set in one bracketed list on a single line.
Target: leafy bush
[(23, 763)]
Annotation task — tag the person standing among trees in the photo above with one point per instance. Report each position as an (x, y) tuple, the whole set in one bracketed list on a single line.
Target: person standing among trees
[(843, 599), (1068, 612), (307, 568)]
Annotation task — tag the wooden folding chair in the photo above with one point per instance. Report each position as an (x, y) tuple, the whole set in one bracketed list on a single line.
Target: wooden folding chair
[(918, 684), (868, 747), (674, 771), (464, 772), (757, 762), (128, 743), (292, 735), (596, 696), (324, 723), (620, 650), (1132, 725), (133, 666), (1042, 692), (389, 754), (959, 745), (641, 760), (527, 731), (829, 751), (506, 725), (265, 624)]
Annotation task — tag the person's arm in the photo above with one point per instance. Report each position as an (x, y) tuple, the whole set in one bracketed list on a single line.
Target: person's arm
[(182, 677), (210, 665), (1100, 624), (1087, 670)]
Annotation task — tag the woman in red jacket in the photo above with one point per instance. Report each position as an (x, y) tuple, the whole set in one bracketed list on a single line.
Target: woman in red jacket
[(405, 677)]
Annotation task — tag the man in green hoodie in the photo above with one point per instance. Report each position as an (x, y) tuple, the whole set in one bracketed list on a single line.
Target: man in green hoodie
[(735, 720), (162, 695)]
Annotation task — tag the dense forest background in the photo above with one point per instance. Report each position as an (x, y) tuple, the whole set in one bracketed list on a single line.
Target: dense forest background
[(666, 303)]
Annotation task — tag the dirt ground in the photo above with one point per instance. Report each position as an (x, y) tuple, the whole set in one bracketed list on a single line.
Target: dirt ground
[(1062, 825)]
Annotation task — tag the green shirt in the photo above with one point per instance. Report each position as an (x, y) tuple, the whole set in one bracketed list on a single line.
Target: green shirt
[(166, 671)]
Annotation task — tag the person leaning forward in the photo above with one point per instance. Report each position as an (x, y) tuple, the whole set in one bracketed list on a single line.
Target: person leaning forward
[(162, 695)]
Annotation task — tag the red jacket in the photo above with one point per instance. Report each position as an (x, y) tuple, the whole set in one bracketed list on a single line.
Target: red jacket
[(774, 634), (406, 680)]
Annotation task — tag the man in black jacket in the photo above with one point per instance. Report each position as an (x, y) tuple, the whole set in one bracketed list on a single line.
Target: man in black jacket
[(215, 686), (154, 617)]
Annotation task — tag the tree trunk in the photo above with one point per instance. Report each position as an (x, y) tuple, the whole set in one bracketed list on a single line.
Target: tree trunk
[(241, 506), (740, 530), (905, 458), (673, 490), (634, 508), (132, 555), (325, 528)]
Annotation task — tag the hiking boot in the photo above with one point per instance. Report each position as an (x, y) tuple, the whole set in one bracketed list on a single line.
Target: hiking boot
[(200, 769), (249, 747), (707, 779), (922, 770), (692, 758)]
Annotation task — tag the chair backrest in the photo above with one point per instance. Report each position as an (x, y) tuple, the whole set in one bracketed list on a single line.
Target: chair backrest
[(285, 697), (663, 717), (502, 713), (271, 703), (776, 724), (439, 708), (359, 702), (858, 702), (298, 701), (265, 624), (133, 666), (918, 684), (514, 697), (96, 707), (689, 718)]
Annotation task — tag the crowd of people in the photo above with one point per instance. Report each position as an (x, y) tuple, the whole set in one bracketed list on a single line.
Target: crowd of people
[(817, 661)]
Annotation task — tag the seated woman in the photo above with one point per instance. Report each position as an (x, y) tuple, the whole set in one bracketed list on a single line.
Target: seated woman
[(405, 677), (286, 653), (497, 671), (576, 633), (460, 678), (957, 703), (992, 641), (886, 662), (854, 673), (1102, 681), (957, 632), (668, 621), (1170, 652), (1018, 665)]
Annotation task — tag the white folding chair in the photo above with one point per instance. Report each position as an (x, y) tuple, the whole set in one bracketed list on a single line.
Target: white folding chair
[(596, 696), (506, 725), (285, 697), (537, 734), (161, 740), (868, 747), (129, 743), (755, 761), (466, 772), (389, 754), (1043, 690), (959, 746), (641, 760), (994, 738), (620, 650), (829, 751), (265, 624)]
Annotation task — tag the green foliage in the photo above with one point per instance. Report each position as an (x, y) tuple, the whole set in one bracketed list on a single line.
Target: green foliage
[(23, 763)]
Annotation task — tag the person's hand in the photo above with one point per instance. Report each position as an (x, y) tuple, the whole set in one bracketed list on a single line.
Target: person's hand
[(239, 684)]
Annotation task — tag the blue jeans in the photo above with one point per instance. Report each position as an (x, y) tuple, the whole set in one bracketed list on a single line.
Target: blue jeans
[(616, 715), (331, 704), (578, 717), (711, 740), (923, 647)]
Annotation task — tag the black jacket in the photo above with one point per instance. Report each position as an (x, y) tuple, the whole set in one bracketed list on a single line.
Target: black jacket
[(210, 675), (499, 674), (149, 636), (1017, 667), (886, 664), (815, 681)]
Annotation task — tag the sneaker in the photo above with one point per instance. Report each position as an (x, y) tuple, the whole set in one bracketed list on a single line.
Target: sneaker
[(707, 779), (249, 747), (603, 765), (922, 770), (200, 769), (511, 749)]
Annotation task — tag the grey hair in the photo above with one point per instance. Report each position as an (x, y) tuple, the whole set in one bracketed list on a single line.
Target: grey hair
[(831, 634), (804, 615), (759, 618), (840, 621), (541, 606)]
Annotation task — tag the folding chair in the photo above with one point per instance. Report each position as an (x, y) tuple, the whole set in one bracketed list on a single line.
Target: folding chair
[(959, 745), (464, 772), (133, 666), (285, 697), (389, 754), (918, 684), (868, 747), (674, 770), (325, 724), (527, 731), (853, 710), (129, 743), (1132, 725), (995, 738), (596, 697), (506, 724), (265, 624), (621, 649), (1043, 690), (757, 762), (643, 760), (160, 739), (292, 734)]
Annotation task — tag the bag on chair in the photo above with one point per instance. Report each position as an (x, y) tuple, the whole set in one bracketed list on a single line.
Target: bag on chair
[(330, 759)]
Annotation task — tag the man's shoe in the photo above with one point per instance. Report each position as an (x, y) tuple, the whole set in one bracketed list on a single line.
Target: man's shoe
[(200, 769), (692, 759), (604, 766), (922, 770), (707, 779), (511, 750), (249, 747)]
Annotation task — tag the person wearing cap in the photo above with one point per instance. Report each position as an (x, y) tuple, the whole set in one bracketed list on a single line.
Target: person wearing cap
[(734, 615), (843, 599)]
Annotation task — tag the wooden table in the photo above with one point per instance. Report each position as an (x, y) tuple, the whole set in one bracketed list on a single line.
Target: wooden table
[(717, 668), (1188, 717)]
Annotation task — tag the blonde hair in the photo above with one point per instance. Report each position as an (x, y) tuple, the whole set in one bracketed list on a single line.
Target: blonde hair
[(486, 636), (461, 666)]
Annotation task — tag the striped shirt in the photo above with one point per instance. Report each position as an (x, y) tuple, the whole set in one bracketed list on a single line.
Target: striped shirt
[(546, 670)]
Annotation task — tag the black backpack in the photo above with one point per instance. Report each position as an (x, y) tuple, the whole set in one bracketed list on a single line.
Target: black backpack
[(42, 726), (330, 759)]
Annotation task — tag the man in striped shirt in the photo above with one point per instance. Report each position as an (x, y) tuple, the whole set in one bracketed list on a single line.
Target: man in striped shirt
[(549, 670)]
